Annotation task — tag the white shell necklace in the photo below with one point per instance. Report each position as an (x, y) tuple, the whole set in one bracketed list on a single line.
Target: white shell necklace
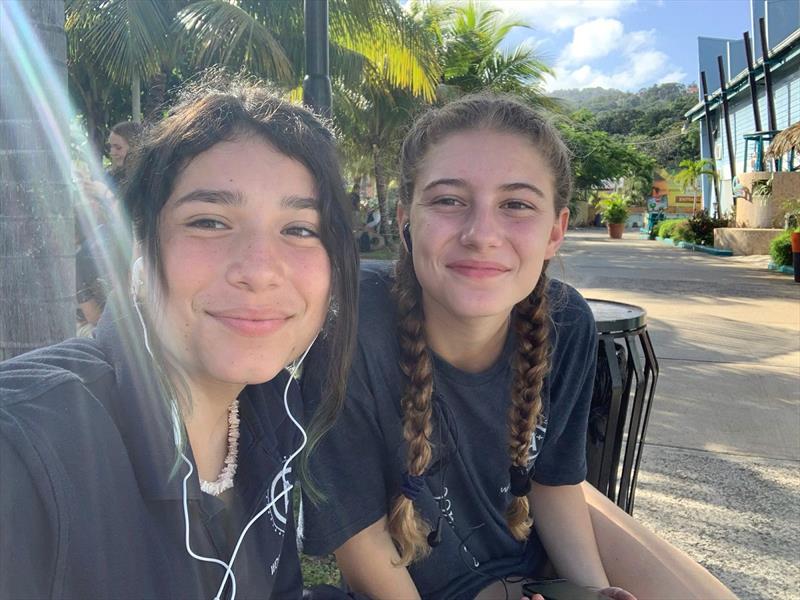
[(225, 479)]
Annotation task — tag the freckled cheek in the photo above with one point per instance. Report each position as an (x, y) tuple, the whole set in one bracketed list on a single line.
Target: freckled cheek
[(311, 273), (190, 269)]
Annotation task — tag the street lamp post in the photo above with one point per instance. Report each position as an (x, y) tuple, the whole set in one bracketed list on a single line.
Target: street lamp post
[(317, 82)]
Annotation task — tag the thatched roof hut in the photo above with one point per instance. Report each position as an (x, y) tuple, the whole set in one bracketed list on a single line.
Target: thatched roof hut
[(785, 141)]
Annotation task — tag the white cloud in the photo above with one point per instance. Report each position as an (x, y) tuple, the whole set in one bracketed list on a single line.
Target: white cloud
[(592, 40), (558, 15), (636, 61)]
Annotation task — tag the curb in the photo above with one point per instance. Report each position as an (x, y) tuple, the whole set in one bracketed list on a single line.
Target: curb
[(697, 247), (781, 268)]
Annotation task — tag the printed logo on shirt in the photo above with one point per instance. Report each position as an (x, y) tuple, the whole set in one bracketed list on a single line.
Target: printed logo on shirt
[(274, 566), (280, 504), (537, 441)]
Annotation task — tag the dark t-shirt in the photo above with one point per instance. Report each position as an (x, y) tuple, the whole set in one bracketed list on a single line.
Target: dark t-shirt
[(91, 506), (359, 464)]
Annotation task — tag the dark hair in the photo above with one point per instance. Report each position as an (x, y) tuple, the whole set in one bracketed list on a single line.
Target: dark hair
[(218, 109), (530, 317), (128, 130)]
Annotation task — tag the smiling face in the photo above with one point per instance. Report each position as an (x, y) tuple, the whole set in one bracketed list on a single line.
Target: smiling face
[(248, 277), (118, 148), (482, 223)]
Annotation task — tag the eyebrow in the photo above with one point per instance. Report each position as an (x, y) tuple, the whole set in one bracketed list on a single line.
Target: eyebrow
[(229, 198), (300, 202), (214, 196), (508, 187)]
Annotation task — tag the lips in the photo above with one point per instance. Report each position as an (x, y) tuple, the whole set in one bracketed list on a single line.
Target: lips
[(478, 269), (251, 322)]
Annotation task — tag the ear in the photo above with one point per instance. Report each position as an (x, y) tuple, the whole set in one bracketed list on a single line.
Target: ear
[(557, 233), (401, 217)]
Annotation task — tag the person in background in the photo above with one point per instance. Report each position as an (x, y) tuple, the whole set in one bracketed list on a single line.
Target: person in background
[(121, 140)]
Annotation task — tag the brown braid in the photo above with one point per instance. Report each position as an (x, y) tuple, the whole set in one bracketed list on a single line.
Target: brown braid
[(531, 365), (407, 528)]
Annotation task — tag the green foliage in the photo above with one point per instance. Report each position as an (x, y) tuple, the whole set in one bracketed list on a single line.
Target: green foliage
[(652, 118), (598, 157), (473, 58), (691, 170), (780, 249), (672, 228), (700, 228), (614, 209)]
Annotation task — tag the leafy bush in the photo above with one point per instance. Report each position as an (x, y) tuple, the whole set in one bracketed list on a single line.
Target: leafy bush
[(780, 249), (700, 228), (615, 209), (671, 228)]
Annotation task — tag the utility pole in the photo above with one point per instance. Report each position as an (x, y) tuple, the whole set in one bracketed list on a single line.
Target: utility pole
[(317, 81)]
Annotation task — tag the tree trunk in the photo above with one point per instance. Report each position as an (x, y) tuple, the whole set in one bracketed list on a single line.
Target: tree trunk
[(37, 270), (136, 98), (156, 96), (380, 191)]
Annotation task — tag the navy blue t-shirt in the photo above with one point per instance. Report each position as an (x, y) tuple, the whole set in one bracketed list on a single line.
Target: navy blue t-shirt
[(359, 464), (92, 502)]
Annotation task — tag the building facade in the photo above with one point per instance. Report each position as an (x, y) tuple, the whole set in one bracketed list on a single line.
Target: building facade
[(781, 19)]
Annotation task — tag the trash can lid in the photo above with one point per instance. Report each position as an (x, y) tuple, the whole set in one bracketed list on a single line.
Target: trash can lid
[(614, 317)]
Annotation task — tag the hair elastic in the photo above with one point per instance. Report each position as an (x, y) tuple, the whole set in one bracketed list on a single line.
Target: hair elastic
[(520, 480), (412, 485)]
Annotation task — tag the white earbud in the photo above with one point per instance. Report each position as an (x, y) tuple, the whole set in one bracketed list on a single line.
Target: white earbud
[(137, 278)]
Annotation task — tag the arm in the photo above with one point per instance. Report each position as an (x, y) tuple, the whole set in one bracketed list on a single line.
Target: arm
[(367, 563), (28, 535), (561, 519)]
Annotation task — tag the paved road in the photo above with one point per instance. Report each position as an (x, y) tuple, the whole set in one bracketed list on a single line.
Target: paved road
[(720, 475)]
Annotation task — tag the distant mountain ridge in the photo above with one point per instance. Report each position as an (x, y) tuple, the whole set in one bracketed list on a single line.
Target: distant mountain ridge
[(651, 118)]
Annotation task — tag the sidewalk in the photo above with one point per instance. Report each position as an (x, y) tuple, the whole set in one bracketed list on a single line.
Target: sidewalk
[(720, 475)]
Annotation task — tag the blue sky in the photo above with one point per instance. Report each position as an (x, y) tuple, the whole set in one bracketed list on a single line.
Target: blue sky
[(624, 44)]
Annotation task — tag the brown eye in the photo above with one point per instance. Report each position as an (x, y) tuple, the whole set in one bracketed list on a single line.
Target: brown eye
[(207, 224)]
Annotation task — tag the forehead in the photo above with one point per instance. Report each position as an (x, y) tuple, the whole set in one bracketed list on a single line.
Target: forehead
[(485, 159), (115, 138), (248, 166)]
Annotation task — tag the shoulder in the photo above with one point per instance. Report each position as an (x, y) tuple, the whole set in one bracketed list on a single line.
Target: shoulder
[(29, 377), (569, 310), (574, 329)]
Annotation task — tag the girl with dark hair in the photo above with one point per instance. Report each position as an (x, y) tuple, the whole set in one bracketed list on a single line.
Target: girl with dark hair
[(157, 460), (455, 470)]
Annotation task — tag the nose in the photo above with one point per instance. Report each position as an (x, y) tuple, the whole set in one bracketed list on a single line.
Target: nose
[(481, 227), (256, 263)]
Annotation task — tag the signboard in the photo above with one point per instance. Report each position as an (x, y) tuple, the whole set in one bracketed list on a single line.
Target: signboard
[(688, 202), (657, 203)]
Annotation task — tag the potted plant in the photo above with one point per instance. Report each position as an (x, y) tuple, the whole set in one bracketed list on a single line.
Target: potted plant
[(614, 214)]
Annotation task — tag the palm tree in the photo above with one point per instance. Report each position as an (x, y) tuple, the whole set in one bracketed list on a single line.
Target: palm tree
[(369, 40), (690, 173), (37, 272), (127, 39), (132, 41), (372, 123), (472, 59)]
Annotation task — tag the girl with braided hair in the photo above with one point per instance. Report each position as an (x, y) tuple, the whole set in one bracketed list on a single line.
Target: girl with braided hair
[(455, 468)]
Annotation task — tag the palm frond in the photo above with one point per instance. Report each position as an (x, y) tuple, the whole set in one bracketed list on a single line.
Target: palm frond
[(221, 32), (126, 37)]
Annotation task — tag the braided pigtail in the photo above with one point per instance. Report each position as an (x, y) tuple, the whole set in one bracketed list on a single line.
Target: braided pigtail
[(408, 530), (531, 365)]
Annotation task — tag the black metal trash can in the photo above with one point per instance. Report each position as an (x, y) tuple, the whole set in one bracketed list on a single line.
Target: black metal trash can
[(627, 371)]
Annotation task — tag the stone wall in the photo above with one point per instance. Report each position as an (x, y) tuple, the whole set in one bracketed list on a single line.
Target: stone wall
[(756, 211), (744, 242)]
